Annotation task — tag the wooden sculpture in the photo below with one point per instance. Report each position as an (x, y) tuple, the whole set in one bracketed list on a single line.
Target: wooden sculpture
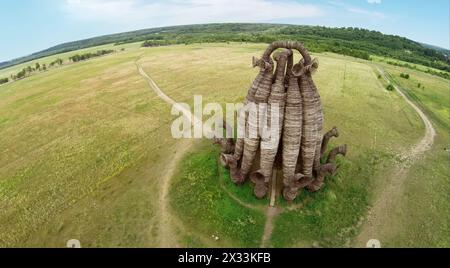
[(298, 147)]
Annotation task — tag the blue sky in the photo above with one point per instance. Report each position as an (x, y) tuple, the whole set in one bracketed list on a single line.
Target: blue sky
[(33, 25)]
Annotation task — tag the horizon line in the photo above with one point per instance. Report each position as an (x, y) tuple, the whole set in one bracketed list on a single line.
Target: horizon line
[(212, 23)]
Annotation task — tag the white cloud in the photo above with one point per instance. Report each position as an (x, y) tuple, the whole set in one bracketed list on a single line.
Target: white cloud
[(374, 1), (176, 12), (369, 14)]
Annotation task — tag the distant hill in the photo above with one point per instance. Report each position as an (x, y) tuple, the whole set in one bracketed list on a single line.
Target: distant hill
[(443, 50), (348, 41)]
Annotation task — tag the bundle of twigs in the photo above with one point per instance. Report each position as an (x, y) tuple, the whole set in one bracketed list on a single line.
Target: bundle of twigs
[(269, 144), (298, 121)]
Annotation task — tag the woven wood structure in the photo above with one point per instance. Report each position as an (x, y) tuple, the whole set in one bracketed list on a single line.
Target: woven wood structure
[(298, 147)]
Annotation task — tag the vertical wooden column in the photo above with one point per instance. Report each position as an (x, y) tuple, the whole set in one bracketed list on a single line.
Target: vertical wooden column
[(273, 188)]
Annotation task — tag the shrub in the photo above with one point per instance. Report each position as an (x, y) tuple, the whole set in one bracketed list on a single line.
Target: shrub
[(406, 76), (4, 80), (390, 87), (21, 74), (56, 62)]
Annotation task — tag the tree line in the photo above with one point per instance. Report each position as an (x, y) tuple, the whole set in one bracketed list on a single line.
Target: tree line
[(38, 67), (413, 67), (157, 43), (89, 55), (348, 41)]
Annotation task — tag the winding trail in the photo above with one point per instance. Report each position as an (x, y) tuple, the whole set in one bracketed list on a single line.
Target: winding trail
[(194, 120), (167, 237), (378, 217)]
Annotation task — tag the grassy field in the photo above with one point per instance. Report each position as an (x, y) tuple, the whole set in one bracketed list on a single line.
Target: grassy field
[(7, 72), (84, 147), (424, 205), (400, 63), (80, 157)]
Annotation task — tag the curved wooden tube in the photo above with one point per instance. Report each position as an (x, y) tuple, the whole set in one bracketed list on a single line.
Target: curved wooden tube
[(338, 150), (261, 186), (277, 98), (230, 162), (227, 145), (265, 84), (326, 139), (312, 116), (319, 122), (324, 170), (289, 66), (252, 138), (289, 45), (291, 192), (264, 66), (301, 68), (243, 115), (292, 133), (309, 127)]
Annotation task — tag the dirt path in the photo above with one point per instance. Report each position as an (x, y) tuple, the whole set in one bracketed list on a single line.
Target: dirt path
[(167, 237), (194, 120), (271, 213), (378, 217)]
